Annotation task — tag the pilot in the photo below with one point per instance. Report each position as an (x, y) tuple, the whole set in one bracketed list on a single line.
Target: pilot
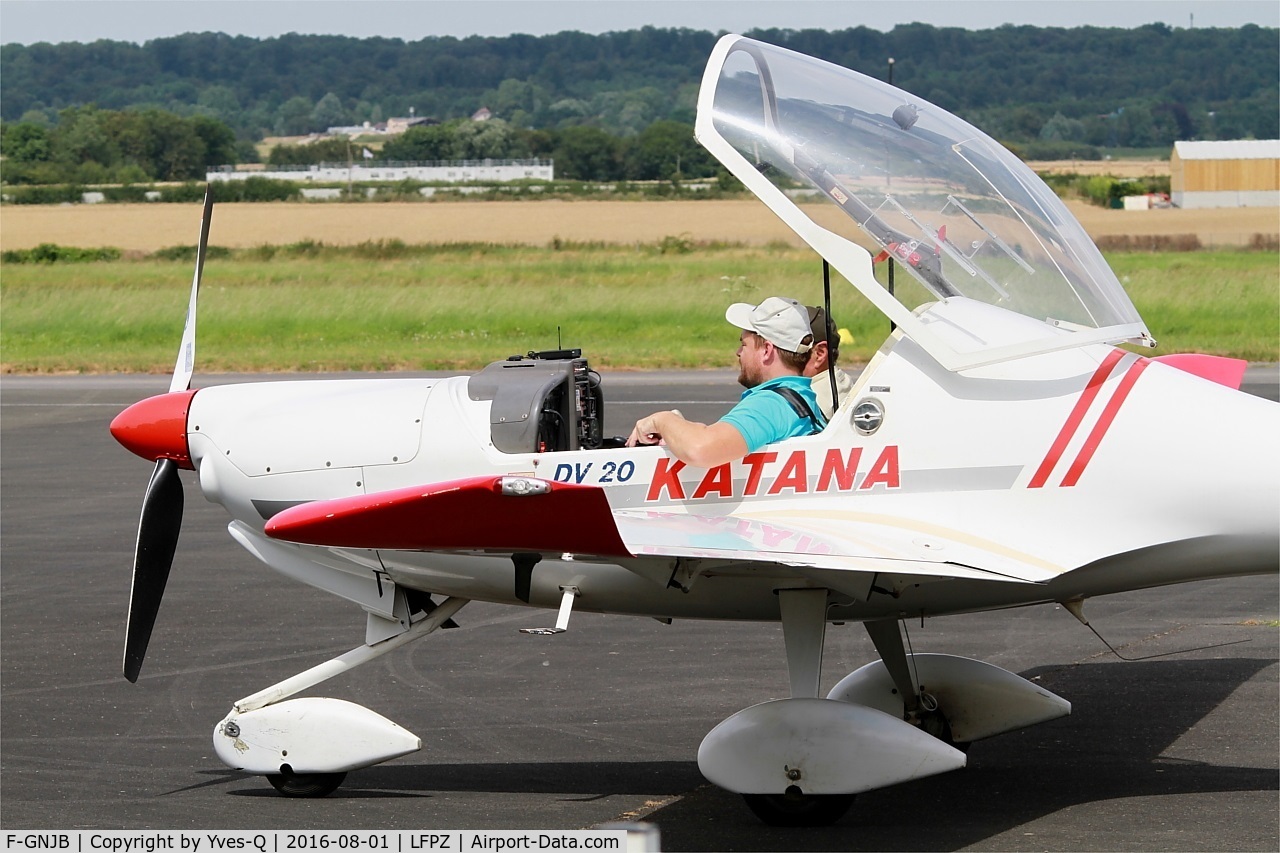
[(824, 330), (776, 343)]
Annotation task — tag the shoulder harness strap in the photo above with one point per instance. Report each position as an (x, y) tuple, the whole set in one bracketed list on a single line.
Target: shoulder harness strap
[(799, 405)]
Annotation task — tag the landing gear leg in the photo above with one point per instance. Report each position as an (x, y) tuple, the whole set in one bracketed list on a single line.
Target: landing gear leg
[(919, 707), (804, 629), (322, 736), (887, 638), (804, 624)]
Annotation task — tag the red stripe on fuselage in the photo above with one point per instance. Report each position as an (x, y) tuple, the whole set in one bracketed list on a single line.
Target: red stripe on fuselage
[(1104, 422), (1073, 420)]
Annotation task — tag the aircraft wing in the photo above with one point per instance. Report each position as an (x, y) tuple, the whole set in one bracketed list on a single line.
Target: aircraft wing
[(527, 514), (475, 513), (826, 540)]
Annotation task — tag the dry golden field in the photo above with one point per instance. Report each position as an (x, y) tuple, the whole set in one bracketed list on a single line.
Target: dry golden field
[(148, 227), (1115, 168)]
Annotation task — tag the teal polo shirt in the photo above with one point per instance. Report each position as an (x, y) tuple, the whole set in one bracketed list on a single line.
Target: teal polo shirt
[(763, 416)]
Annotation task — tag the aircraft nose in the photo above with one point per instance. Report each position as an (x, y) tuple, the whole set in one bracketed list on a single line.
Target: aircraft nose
[(156, 428)]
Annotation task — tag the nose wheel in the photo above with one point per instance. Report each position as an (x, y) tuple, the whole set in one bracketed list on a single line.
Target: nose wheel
[(305, 785)]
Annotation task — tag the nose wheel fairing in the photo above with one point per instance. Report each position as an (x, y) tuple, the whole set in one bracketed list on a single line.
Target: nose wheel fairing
[(304, 746), (309, 736)]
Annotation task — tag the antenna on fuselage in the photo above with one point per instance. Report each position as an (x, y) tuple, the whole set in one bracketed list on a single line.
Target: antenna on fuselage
[(1075, 606), (892, 325), (826, 333)]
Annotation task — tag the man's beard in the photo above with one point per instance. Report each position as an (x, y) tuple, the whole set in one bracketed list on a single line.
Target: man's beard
[(745, 379)]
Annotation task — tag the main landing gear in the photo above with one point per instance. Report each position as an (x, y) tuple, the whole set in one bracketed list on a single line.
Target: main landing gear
[(801, 761)]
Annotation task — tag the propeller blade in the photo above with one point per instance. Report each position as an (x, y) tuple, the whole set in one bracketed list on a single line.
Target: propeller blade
[(186, 362), (157, 540), (161, 520)]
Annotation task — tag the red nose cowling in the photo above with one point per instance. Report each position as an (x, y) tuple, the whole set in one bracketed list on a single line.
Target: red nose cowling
[(156, 428)]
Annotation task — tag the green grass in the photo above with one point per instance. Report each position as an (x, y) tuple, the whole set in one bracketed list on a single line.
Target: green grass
[(461, 307), (1220, 303)]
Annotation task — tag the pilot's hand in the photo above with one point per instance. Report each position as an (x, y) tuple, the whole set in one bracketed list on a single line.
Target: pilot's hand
[(643, 435), (646, 432)]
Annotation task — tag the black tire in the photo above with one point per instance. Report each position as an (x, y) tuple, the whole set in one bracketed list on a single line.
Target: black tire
[(936, 724), (308, 785), (796, 809)]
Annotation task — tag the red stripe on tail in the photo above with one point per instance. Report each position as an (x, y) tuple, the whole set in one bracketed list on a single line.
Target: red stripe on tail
[(1104, 422), (1073, 420)]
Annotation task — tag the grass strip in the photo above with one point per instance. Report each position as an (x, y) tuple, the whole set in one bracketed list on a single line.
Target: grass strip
[(388, 307)]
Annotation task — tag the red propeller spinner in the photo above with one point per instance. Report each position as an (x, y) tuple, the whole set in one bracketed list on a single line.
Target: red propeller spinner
[(156, 428)]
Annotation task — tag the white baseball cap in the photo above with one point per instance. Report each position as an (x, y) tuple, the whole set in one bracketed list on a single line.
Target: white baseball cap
[(780, 321)]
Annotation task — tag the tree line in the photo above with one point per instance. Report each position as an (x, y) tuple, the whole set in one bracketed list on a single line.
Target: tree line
[(1113, 87), (91, 146), (88, 145)]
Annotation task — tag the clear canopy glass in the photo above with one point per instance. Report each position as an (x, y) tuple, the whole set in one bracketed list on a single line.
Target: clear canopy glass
[(908, 180)]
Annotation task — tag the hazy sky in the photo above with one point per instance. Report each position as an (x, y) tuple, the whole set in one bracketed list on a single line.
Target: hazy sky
[(30, 21)]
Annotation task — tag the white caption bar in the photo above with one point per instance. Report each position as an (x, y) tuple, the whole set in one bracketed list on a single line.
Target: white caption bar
[(307, 841)]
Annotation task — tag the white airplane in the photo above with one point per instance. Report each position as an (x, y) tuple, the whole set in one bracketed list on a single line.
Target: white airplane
[(999, 450)]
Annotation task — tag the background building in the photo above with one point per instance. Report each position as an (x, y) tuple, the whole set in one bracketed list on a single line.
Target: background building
[(1238, 173), (445, 171)]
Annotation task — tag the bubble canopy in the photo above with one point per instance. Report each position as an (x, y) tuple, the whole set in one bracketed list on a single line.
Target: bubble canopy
[(905, 179)]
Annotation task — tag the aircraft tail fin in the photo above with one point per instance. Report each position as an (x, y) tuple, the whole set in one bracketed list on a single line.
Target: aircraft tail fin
[(1215, 368)]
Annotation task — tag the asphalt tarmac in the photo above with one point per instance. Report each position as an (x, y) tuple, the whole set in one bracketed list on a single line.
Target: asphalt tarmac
[(1177, 752)]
